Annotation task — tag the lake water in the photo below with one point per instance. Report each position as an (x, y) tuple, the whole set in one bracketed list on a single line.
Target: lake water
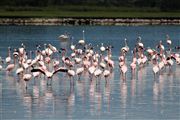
[(142, 97)]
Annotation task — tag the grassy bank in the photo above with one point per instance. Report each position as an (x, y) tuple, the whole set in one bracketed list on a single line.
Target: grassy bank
[(85, 11)]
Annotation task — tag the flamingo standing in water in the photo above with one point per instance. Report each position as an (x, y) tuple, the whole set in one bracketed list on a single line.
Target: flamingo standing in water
[(123, 66), (8, 59), (82, 42), (168, 40), (155, 63), (71, 73), (10, 66), (26, 78), (125, 49), (133, 64), (1, 62), (106, 74), (97, 73), (79, 72)]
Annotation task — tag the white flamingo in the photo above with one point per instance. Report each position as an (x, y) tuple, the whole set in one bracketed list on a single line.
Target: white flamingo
[(8, 59), (26, 78), (125, 49), (106, 74), (79, 71), (102, 48), (82, 42)]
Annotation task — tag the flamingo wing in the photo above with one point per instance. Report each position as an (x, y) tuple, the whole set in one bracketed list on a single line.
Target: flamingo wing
[(61, 69), (38, 70)]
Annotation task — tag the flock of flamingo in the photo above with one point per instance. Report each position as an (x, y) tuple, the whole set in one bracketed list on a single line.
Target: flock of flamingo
[(85, 57)]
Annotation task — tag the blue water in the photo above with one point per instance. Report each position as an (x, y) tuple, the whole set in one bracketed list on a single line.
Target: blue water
[(142, 97)]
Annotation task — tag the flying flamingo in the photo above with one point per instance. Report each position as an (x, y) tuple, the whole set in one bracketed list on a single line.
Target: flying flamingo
[(49, 74)]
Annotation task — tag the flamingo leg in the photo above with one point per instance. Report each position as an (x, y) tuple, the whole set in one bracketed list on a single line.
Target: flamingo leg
[(26, 85)]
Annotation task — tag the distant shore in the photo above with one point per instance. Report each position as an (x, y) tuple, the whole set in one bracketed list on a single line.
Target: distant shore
[(89, 21)]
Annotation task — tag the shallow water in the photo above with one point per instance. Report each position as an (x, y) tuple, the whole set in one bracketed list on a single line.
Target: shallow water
[(142, 97)]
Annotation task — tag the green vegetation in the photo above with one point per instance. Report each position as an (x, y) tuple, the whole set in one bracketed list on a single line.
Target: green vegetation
[(84, 11), (90, 8)]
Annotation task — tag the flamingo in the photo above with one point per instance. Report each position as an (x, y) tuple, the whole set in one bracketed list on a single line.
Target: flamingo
[(106, 74), (124, 70), (161, 47), (30, 58), (71, 73), (140, 44), (155, 69), (56, 64), (82, 42), (26, 78), (97, 73), (1, 67), (91, 70), (121, 60), (10, 67), (53, 48), (72, 47), (168, 40), (122, 65), (15, 54), (8, 59), (22, 50), (176, 57), (169, 62), (125, 49), (155, 63), (86, 63), (77, 60), (102, 48), (19, 70), (79, 71), (1, 62), (133, 64), (48, 73)]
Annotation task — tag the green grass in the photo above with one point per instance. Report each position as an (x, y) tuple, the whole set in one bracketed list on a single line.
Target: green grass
[(85, 11)]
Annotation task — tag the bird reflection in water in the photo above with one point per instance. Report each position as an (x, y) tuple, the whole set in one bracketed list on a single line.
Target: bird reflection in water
[(35, 91), (123, 91), (42, 87), (141, 81), (91, 96), (133, 91), (155, 92), (48, 103), (133, 87), (107, 95), (27, 103), (161, 88), (170, 78), (98, 99), (80, 87), (70, 101)]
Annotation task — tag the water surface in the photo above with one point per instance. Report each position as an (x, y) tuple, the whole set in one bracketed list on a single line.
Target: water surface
[(139, 98)]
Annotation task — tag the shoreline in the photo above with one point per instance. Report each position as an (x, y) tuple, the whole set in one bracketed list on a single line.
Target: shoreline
[(88, 21)]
